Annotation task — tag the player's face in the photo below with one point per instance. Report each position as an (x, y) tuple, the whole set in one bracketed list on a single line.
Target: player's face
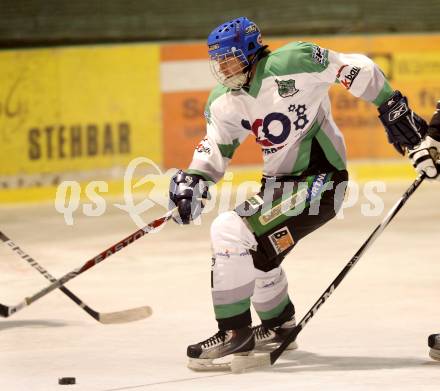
[(230, 66), (229, 69)]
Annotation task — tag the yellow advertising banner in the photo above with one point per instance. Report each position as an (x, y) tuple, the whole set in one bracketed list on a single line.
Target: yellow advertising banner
[(77, 110)]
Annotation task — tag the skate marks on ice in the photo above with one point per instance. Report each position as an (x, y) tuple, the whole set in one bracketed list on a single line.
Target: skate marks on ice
[(32, 324), (303, 361), (187, 379)]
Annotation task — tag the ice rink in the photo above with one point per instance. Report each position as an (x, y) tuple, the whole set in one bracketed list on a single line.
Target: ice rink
[(370, 335)]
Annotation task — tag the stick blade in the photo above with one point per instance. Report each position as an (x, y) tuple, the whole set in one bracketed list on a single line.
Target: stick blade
[(131, 315), (240, 364)]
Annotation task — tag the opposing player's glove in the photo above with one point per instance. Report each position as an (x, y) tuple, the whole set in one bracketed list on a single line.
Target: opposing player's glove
[(188, 192), (405, 129), (426, 157)]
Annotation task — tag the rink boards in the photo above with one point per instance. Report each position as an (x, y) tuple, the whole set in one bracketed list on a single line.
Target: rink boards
[(83, 113)]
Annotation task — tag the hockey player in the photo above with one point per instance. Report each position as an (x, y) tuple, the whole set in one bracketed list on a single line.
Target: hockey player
[(434, 339), (281, 97), (431, 142)]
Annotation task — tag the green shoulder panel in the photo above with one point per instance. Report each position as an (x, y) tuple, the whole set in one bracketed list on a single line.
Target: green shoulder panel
[(299, 57), (218, 91), (293, 58)]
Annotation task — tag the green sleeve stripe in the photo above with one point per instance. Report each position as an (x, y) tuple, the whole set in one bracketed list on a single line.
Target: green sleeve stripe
[(223, 311), (384, 94), (227, 150), (204, 175)]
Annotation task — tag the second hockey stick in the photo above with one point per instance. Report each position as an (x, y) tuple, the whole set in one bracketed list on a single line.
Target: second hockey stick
[(8, 310), (240, 363), (125, 316)]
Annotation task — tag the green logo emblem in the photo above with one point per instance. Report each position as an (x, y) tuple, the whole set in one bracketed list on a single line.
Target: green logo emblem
[(286, 88)]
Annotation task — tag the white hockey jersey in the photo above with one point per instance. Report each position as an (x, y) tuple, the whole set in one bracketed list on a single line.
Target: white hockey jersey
[(287, 109)]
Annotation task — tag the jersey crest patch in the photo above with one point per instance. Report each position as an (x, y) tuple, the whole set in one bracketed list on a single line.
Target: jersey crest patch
[(286, 88)]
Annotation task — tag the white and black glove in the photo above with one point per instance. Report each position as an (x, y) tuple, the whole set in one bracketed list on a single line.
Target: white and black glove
[(188, 192), (405, 129), (426, 156)]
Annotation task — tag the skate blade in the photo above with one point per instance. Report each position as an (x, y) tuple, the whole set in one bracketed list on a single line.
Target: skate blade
[(241, 364), (434, 354), (272, 346), (212, 364)]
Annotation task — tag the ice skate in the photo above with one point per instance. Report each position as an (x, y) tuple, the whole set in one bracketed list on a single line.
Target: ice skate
[(434, 344), (267, 339), (224, 343)]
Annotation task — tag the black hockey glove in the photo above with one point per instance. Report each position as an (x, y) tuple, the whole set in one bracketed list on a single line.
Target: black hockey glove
[(405, 129), (426, 156), (188, 192)]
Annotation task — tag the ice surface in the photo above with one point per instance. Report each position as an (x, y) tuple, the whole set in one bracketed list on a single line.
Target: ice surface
[(370, 335)]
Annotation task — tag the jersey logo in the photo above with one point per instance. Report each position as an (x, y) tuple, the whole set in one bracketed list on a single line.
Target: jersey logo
[(320, 55), (398, 112), (204, 147), (347, 74), (286, 88), (251, 29), (262, 129), (281, 240), (274, 129)]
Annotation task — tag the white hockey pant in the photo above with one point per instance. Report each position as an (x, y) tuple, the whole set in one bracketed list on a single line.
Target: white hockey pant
[(235, 282)]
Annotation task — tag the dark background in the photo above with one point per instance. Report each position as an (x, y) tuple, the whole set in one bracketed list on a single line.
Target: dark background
[(27, 23)]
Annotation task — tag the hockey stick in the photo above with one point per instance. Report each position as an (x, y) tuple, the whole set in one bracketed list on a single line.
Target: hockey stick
[(240, 363), (6, 311), (125, 316)]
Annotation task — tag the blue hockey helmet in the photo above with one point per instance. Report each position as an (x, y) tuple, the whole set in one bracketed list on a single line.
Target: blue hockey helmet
[(236, 39), (237, 34)]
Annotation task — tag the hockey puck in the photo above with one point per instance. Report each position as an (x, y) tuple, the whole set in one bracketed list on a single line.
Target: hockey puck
[(66, 380)]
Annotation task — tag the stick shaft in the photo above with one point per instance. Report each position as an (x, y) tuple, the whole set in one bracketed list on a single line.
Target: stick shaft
[(275, 354), (6, 311), (103, 317)]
